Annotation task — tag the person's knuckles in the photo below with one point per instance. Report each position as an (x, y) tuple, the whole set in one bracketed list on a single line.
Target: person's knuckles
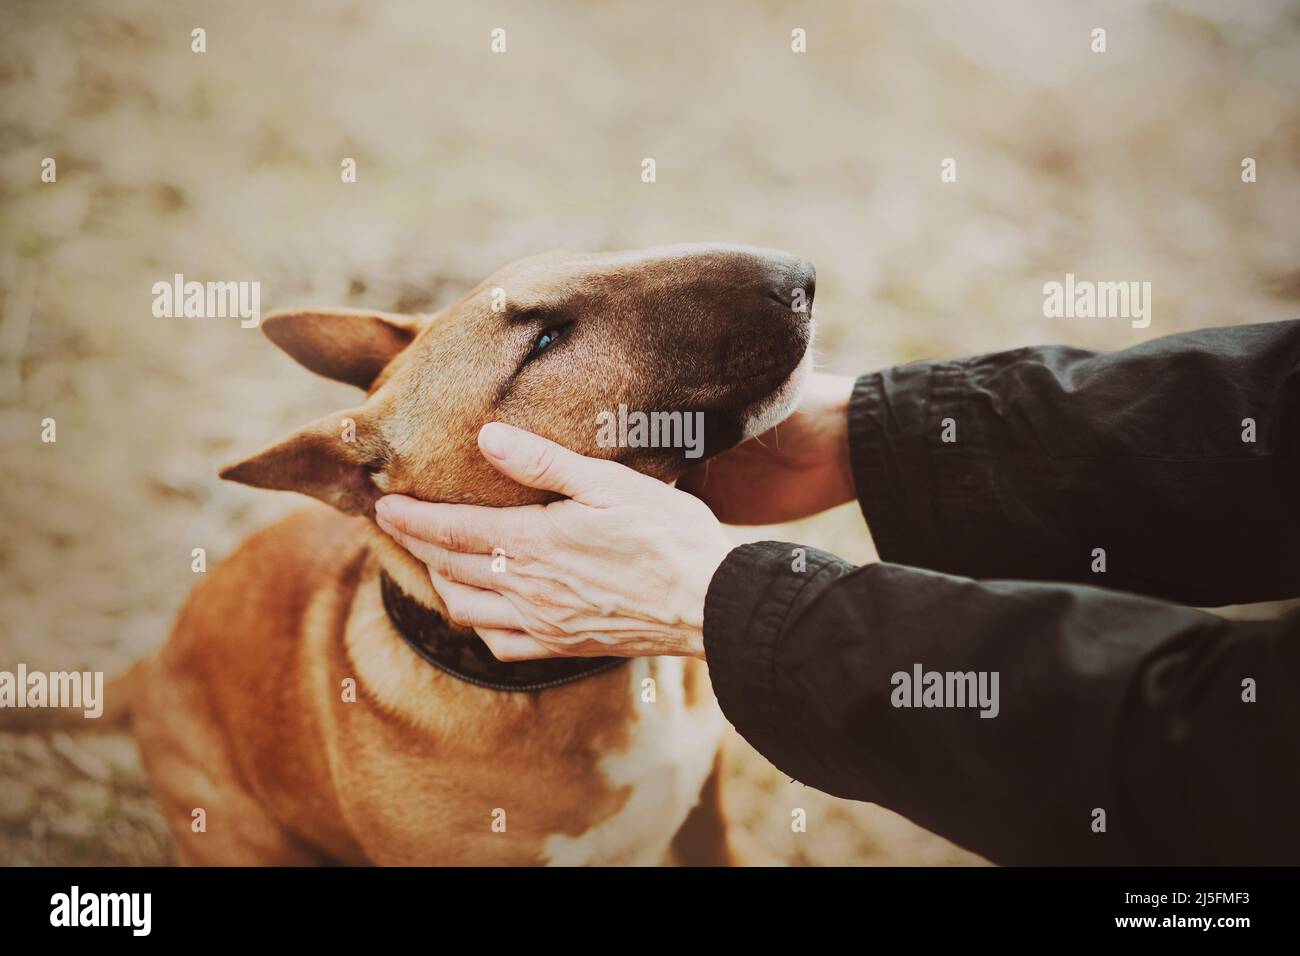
[(452, 529), (456, 536), (445, 563), (546, 627), (561, 604), (563, 617), (538, 463), (536, 591), (527, 536), (550, 591), (478, 532)]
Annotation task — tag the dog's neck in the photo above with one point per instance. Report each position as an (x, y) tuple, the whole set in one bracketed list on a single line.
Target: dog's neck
[(407, 571), (419, 616)]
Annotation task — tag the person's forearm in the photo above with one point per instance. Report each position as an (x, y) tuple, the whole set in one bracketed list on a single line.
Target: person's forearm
[(1170, 469), (1097, 701)]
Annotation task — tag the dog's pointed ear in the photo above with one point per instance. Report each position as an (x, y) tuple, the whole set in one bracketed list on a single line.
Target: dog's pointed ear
[(347, 345), (334, 459)]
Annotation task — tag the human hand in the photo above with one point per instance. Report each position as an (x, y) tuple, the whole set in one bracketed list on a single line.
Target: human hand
[(621, 566), (796, 469)]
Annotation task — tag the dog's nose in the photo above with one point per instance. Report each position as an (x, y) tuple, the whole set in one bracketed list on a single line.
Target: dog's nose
[(792, 281)]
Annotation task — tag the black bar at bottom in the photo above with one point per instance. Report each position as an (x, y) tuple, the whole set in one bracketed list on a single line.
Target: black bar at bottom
[(333, 906)]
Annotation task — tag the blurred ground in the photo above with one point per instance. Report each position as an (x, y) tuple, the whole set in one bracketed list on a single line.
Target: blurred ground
[(225, 166)]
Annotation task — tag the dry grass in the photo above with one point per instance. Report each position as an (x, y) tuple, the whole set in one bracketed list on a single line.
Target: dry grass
[(225, 166)]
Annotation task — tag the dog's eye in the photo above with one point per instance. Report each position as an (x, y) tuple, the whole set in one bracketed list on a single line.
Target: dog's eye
[(546, 340)]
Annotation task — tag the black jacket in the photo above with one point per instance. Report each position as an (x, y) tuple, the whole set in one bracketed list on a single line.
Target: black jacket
[(1060, 462)]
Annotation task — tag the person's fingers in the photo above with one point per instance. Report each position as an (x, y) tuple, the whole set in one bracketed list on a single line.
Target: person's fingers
[(508, 645), (475, 570), (465, 528), (475, 607), (540, 463)]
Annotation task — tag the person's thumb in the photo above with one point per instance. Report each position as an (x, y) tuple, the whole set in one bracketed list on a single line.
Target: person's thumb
[(540, 463)]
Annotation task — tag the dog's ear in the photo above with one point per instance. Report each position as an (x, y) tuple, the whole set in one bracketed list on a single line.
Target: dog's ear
[(334, 459), (347, 345)]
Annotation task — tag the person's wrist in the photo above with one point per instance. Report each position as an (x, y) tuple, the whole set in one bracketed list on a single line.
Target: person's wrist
[(691, 640), (836, 392)]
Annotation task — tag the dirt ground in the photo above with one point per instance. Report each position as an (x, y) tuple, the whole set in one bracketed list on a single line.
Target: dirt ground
[(224, 165)]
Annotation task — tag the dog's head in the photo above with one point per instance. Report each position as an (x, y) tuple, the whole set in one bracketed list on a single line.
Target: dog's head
[(621, 355)]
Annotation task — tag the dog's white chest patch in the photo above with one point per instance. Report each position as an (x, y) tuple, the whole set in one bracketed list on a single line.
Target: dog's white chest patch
[(665, 765)]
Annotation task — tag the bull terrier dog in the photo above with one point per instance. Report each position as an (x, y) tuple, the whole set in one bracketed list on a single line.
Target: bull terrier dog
[(315, 703)]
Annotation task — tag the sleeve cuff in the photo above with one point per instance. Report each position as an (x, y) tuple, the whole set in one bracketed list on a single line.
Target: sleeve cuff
[(895, 418), (749, 603)]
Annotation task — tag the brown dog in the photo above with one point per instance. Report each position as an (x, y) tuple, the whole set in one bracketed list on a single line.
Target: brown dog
[(296, 704)]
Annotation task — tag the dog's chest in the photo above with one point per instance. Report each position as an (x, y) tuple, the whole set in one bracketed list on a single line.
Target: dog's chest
[(665, 764)]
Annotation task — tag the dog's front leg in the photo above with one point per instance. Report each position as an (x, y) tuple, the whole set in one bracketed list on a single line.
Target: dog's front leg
[(705, 838)]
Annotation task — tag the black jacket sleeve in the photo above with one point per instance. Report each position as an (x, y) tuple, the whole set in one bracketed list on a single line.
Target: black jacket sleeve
[(1178, 458), (1120, 729)]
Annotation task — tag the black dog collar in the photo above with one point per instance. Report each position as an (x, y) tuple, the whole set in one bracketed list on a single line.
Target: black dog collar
[(467, 657)]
